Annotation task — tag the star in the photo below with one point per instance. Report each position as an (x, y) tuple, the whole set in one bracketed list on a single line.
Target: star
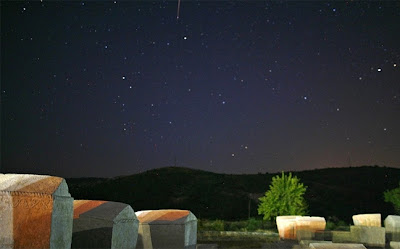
[(379, 69)]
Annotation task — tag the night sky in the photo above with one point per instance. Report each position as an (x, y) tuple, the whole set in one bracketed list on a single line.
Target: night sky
[(108, 88)]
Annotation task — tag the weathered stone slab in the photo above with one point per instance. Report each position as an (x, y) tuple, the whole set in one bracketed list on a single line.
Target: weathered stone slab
[(369, 236), (35, 212), (392, 226), (394, 245), (104, 224), (336, 246), (168, 228), (371, 220), (342, 237)]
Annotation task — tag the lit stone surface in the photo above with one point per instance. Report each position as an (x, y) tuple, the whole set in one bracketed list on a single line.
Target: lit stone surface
[(35, 212), (104, 224), (289, 225), (168, 228), (336, 246), (312, 223), (392, 226), (286, 226), (371, 220)]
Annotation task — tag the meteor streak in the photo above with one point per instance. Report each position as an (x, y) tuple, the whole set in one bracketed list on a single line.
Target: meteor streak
[(177, 11)]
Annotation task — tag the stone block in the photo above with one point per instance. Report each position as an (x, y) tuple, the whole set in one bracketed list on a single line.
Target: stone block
[(342, 237), (369, 236), (313, 235), (312, 223), (305, 235), (371, 220), (392, 226), (170, 228), (35, 212), (394, 245), (336, 246), (286, 226), (104, 224), (289, 225)]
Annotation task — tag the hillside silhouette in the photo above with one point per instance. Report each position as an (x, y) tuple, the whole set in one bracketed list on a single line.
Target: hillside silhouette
[(334, 193)]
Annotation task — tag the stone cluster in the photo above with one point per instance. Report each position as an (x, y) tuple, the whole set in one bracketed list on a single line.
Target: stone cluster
[(38, 212), (366, 232)]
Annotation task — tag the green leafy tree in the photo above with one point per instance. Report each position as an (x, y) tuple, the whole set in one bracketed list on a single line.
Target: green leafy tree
[(393, 196), (284, 197)]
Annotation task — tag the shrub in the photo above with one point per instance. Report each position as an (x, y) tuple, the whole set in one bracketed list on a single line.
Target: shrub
[(210, 225), (235, 225), (393, 196), (284, 197), (253, 224), (337, 225)]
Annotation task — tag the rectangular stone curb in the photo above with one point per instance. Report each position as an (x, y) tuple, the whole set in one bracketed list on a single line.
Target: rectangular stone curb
[(308, 242), (336, 246), (207, 246)]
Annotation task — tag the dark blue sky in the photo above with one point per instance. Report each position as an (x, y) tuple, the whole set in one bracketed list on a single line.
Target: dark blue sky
[(104, 88)]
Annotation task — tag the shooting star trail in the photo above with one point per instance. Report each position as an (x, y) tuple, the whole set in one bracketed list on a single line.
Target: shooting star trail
[(177, 11)]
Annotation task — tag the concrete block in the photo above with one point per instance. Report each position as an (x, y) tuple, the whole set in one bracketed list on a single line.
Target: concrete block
[(169, 228), (394, 245), (392, 226), (369, 236), (371, 220), (336, 246), (35, 212), (104, 224)]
